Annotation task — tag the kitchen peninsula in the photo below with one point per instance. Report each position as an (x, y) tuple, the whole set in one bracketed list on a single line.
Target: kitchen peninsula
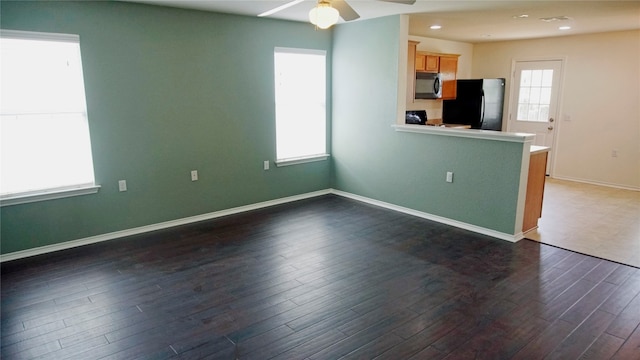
[(486, 191), (531, 177)]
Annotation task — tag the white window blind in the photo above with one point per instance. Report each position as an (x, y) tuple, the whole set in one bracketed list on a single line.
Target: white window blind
[(300, 100), (43, 117)]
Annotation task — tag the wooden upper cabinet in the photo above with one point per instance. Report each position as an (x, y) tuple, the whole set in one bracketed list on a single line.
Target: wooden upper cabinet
[(411, 71), (420, 62), (449, 69), (427, 63), (431, 63)]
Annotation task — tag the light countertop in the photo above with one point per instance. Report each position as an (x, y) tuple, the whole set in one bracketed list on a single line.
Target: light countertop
[(456, 126), (535, 149)]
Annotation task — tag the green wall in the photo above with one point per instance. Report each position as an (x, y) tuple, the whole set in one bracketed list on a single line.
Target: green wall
[(172, 90), (168, 91), (408, 169)]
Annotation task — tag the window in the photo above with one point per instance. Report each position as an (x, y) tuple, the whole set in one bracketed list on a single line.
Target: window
[(300, 100), (535, 95), (44, 132)]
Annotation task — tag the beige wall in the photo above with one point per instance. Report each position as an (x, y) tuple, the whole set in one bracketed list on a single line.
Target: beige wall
[(599, 104), (465, 50)]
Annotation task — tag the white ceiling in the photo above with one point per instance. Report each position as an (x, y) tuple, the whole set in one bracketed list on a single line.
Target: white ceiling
[(468, 21)]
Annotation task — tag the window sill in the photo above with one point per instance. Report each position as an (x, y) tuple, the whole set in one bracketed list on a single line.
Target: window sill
[(301, 160), (48, 195)]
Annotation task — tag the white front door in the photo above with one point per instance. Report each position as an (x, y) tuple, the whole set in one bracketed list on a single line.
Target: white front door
[(534, 101)]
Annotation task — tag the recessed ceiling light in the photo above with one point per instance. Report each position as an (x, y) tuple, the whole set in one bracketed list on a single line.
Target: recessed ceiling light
[(564, 28), (435, 27), (555, 18), (521, 16)]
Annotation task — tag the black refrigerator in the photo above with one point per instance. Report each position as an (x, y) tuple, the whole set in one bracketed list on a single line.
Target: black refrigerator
[(478, 103)]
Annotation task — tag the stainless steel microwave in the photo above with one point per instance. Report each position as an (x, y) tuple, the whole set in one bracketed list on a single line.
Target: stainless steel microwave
[(428, 85)]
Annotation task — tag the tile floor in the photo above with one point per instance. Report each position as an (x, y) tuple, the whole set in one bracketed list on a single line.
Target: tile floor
[(594, 220)]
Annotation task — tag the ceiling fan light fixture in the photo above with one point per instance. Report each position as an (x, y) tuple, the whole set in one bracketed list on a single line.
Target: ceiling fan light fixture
[(323, 15)]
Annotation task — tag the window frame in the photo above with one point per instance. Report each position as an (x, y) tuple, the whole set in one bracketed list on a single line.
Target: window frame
[(306, 158), (60, 191)]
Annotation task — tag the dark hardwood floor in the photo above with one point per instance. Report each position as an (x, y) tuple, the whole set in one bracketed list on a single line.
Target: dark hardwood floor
[(323, 278)]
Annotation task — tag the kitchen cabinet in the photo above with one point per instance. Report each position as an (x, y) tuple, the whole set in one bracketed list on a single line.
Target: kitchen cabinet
[(411, 71), (427, 63), (448, 69), (419, 61), (445, 64), (535, 187)]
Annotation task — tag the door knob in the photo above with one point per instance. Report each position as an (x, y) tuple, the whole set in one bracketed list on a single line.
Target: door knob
[(550, 128), (551, 120)]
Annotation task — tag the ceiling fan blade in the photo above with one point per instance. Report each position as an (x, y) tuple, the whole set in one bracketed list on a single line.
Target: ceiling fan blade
[(346, 11), (280, 8), (407, 2)]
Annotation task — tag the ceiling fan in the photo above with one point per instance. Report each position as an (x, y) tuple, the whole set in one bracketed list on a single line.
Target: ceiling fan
[(328, 8)]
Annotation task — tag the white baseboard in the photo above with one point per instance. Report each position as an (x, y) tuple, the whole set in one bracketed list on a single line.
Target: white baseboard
[(436, 218), (192, 219), (598, 183), (153, 227)]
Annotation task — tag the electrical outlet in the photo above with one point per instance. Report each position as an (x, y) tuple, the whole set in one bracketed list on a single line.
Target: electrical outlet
[(614, 153), (122, 185), (194, 175), (449, 176), (265, 164)]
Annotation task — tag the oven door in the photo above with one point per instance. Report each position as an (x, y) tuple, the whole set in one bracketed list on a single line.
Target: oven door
[(428, 85)]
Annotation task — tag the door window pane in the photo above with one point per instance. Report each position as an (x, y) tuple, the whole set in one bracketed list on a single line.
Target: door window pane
[(545, 95), (535, 95), (524, 95), (544, 113), (547, 78), (525, 79)]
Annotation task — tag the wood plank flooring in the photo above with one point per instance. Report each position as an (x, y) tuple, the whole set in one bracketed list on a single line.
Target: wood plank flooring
[(324, 278)]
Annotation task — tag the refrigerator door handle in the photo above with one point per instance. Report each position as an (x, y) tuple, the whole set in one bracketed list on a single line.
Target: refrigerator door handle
[(482, 109)]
